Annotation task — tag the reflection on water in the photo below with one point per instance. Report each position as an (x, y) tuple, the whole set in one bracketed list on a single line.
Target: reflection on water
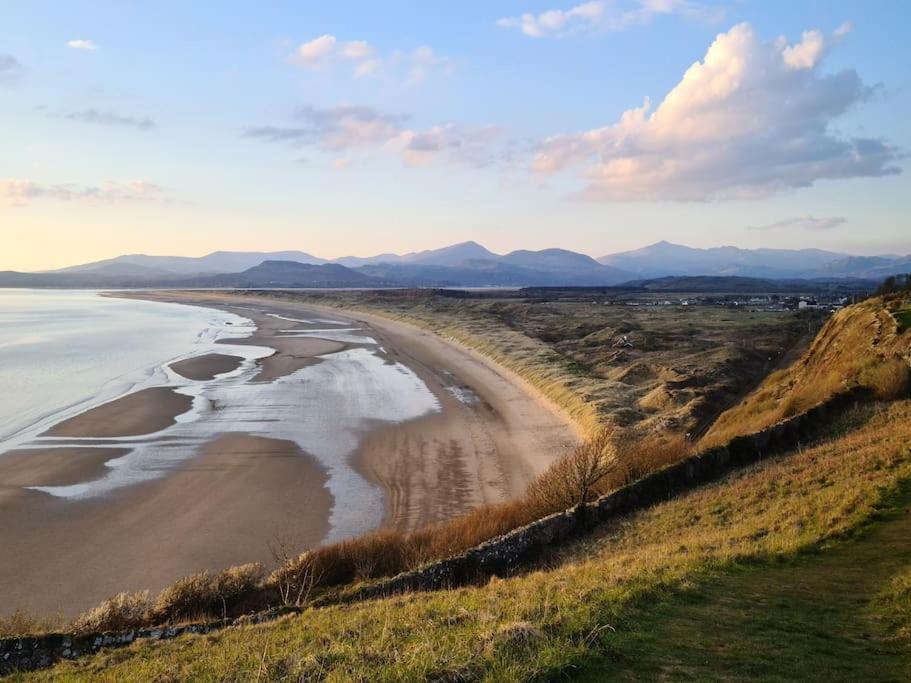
[(324, 408)]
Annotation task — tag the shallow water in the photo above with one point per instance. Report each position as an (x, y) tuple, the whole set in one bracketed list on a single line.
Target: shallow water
[(324, 408)]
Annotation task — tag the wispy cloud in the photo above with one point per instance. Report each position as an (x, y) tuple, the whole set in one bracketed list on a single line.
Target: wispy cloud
[(11, 69), (601, 15), (802, 223), (411, 67), (15, 192), (752, 118), (102, 118), (82, 44), (350, 128)]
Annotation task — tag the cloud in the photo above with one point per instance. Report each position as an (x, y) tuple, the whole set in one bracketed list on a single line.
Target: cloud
[(82, 45), (475, 147), (11, 69), (603, 15), (749, 120), (411, 67), (803, 223), (109, 119), (349, 128), (844, 29), (334, 129), (21, 192), (314, 52)]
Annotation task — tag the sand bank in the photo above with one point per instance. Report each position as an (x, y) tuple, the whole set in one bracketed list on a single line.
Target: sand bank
[(207, 366), (142, 412)]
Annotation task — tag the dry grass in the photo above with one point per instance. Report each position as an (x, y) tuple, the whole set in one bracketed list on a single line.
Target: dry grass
[(545, 624), (861, 345), (123, 612)]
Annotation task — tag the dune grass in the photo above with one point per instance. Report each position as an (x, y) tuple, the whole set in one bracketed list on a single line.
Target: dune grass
[(861, 345), (587, 606), (599, 362)]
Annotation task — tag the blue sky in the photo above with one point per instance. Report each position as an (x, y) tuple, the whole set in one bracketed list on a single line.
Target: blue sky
[(361, 127)]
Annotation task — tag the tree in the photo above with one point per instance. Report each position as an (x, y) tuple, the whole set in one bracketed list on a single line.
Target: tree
[(573, 481)]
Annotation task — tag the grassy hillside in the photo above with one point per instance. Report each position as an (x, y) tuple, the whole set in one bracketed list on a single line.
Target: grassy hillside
[(749, 545), (862, 345)]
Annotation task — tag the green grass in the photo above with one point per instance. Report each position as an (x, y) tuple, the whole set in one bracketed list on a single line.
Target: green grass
[(733, 573), (819, 616), (904, 319)]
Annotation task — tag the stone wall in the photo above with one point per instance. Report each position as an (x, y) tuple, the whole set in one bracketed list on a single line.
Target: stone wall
[(499, 556)]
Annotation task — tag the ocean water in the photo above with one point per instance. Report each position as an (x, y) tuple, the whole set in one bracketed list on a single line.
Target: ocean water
[(75, 350), (62, 352)]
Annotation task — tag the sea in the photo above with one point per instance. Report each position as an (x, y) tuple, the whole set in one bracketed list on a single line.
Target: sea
[(63, 352)]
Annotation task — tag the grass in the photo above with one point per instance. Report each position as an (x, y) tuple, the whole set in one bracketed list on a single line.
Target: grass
[(743, 539), (699, 359), (861, 345)]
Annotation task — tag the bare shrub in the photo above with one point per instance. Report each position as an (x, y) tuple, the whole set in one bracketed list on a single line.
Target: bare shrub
[(204, 594), (123, 612), (649, 454), (20, 623), (574, 480)]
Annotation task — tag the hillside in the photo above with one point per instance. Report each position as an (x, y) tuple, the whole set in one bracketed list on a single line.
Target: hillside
[(863, 345), (786, 570), (288, 274), (746, 562)]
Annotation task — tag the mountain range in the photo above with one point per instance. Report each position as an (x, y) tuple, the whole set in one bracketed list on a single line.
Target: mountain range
[(467, 264)]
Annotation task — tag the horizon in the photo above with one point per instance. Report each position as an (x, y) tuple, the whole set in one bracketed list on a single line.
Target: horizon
[(459, 244), (321, 128)]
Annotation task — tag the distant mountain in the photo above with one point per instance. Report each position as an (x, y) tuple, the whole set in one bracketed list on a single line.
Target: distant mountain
[(753, 285), (875, 267), (665, 258), (216, 262), (451, 256), (269, 274), (467, 264)]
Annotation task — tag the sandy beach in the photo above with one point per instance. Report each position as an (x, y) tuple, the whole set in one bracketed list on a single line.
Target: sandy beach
[(242, 494)]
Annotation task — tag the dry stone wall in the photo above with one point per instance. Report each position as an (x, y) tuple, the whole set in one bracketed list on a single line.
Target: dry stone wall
[(499, 556)]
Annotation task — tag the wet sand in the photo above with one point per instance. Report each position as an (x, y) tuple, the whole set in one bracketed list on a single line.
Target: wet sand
[(444, 464), (241, 494), (207, 366), (222, 508), (143, 412)]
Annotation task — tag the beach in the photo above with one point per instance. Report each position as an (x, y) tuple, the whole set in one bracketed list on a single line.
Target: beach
[(167, 481)]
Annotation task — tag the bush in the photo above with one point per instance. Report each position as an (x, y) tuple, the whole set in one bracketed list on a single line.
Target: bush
[(123, 612), (203, 594)]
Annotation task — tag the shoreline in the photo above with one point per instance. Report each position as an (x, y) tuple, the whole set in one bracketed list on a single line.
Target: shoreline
[(490, 437)]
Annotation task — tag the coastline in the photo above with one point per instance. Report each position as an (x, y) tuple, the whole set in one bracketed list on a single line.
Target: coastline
[(241, 495)]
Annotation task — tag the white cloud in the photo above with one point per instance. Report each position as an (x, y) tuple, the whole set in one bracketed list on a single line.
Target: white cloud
[(412, 68), (803, 223), (82, 44), (20, 192), (748, 120), (805, 54), (843, 29), (356, 50), (602, 15), (454, 144), (314, 52)]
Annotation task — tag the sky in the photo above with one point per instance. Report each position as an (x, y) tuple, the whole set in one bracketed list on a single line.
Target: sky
[(354, 128)]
